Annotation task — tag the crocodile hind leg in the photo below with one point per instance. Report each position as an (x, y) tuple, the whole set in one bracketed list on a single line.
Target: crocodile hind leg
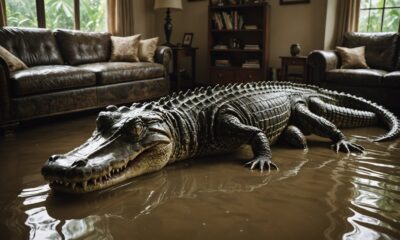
[(232, 130), (294, 137), (324, 128)]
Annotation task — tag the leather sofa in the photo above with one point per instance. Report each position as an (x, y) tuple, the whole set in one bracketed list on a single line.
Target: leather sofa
[(70, 71), (380, 83)]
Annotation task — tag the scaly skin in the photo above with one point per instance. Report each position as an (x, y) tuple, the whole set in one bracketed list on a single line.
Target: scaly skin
[(129, 142)]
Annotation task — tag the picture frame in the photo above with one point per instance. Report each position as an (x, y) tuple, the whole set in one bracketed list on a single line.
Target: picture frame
[(289, 2), (187, 39)]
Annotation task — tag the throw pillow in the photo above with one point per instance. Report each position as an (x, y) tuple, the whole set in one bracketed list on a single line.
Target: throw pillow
[(125, 48), (352, 57), (13, 62), (147, 49)]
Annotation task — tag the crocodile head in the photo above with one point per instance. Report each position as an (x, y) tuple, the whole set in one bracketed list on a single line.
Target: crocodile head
[(126, 143)]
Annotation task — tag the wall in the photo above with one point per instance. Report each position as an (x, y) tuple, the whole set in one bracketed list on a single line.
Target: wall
[(302, 23), (144, 17), (193, 18)]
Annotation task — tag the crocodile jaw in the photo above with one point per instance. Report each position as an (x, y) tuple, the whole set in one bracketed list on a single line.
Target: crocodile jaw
[(149, 160)]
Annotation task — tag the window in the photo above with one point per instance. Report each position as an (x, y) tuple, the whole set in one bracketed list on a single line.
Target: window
[(379, 16), (88, 15), (21, 13), (92, 15), (59, 14)]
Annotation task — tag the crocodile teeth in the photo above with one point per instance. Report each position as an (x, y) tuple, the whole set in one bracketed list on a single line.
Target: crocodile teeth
[(73, 185), (84, 185), (94, 181), (66, 184)]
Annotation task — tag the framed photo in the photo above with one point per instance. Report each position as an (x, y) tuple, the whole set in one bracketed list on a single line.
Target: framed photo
[(287, 2), (187, 39)]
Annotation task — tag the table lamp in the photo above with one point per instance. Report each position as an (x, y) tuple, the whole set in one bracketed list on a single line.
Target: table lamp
[(168, 4)]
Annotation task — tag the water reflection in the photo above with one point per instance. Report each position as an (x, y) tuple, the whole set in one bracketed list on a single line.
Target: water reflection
[(340, 196)]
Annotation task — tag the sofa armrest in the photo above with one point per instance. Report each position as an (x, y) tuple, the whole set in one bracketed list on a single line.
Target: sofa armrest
[(319, 62), (4, 91), (164, 55)]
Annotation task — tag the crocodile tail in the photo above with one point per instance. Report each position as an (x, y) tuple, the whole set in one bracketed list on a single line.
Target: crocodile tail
[(387, 118), (342, 117)]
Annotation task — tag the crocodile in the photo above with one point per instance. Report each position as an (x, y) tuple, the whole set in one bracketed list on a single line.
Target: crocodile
[(145, 137)]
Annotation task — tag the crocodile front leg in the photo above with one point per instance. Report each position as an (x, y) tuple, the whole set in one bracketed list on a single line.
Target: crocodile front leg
[(232, 130), (324, 128)]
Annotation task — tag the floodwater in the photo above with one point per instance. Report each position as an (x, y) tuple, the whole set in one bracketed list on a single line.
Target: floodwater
[(315, 195)]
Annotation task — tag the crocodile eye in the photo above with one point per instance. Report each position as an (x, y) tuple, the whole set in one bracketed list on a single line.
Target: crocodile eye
[(103, 121), (137, 130)]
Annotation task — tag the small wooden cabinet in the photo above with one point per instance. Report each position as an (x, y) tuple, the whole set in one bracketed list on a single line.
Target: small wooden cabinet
[(242, 41)]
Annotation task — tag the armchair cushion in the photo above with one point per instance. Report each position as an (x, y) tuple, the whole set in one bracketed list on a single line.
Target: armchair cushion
[(380, 48), (352, 57), (42, 79), (116, 72), (355, 77)]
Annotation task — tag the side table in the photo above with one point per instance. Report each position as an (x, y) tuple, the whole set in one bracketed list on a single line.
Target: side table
[(179, 53), (287, 61)]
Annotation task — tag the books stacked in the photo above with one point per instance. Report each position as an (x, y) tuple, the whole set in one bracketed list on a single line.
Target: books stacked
[(251, 47), (229, 21), (222, 63), (250, 27), (251, 63), (220, 46)]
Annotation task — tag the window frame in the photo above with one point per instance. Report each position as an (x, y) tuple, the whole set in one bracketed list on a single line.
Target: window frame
[(41, 14), (383, 8)]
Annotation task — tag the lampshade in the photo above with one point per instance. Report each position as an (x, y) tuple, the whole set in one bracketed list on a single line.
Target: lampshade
[(174, 4)]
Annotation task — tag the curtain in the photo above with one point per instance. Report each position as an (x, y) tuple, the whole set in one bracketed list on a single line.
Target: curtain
[(348, 14), (120, 17), (3, 17)]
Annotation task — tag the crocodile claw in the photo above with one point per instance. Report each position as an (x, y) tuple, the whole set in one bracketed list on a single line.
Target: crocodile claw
[(263, 163), (348, 147)]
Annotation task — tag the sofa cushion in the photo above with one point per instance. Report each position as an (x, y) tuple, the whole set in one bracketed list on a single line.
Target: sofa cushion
[(34, 46), (380, 48), (116, 72), (391, 79), (79, 47), (352, 57), (356, 77), (41, 79)]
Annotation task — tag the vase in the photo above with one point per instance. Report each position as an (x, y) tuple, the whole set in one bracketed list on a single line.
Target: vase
[(295, 49)]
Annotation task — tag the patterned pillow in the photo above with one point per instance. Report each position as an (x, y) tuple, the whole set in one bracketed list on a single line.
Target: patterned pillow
[(352, 58), (13, 62), (125, 48), (147, 49)]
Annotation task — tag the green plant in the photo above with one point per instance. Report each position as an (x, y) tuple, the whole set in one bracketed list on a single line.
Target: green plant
[(371, 16), (59, 14)]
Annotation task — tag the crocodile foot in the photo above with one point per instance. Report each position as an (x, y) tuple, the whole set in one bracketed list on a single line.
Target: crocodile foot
[(263, 163), (346, 146)]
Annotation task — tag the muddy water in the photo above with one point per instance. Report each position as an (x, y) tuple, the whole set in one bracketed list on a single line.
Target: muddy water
[(314, 195)]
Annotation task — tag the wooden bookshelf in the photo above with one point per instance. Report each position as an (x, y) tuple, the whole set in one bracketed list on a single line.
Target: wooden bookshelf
[(251, 14)]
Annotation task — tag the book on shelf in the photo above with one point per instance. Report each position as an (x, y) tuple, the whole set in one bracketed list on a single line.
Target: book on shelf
[(228, 21), (250, 27), (251, 47), (220, 46), (222, 63), (251, 63)]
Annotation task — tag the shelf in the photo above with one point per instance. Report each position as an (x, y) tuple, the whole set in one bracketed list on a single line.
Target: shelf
[(236, 50), (236, 30), (234, 68), (236, 6)]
